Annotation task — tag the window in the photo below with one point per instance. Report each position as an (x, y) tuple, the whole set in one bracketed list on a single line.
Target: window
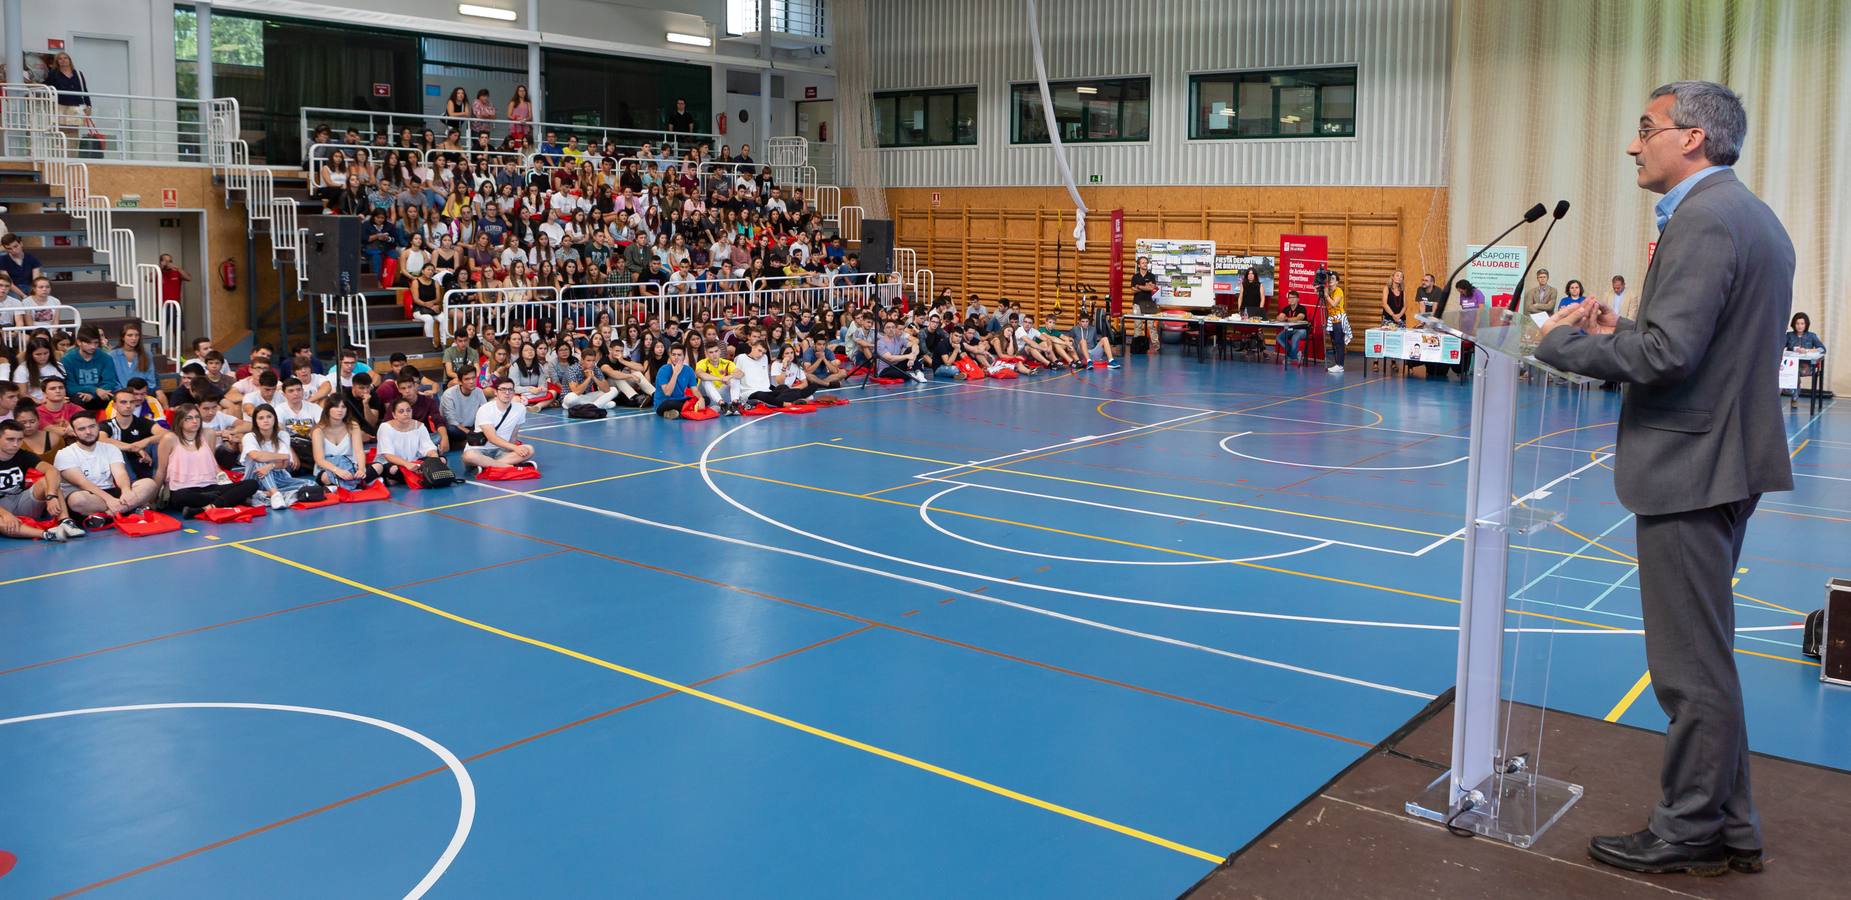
[(1115, 109), (1281, 104), (941, 118)]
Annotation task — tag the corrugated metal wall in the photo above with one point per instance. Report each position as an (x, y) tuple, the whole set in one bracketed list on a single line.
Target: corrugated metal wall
[(1399, 46)]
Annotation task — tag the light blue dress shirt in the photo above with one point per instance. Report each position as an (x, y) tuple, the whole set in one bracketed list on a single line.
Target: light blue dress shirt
[(1669, 202)]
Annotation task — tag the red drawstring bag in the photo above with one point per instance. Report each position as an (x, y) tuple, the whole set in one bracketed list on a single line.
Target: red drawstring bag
[(370, 453), (32, 477), (147, 522), (880, 380), (692, 409), (827, 400), (1004, 374), (404, 301), (388, 271), (799, 408), (972, 371), (757, 409), (329, 500), (522, 472), (227, 514), (375, 491), (40, 524)]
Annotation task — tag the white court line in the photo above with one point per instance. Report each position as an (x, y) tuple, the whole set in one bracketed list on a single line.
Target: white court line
[(1062, 444), (925, 515), (1299, 465), (1162, 515), (640, 413), (1826, 477), (1536, 494), (741, 542), (465, 786)]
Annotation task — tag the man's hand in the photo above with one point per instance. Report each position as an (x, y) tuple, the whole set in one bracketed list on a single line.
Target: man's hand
[(1575, 316), (1601, 319)]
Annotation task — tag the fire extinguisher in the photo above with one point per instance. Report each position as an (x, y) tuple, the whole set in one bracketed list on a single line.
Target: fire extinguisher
[(722, 123), (228, 274)]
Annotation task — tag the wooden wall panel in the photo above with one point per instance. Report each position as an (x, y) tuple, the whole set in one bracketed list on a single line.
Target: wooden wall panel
[(225, 236), (1018, 243)]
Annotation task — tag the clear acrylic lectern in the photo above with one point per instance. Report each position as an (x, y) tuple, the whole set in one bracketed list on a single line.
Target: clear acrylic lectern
[(1494, 787)]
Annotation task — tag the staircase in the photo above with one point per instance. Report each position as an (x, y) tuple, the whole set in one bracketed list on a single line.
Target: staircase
[(57, 188)]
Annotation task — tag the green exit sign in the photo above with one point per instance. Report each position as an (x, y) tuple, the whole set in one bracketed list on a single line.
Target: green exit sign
[(1093, 178)]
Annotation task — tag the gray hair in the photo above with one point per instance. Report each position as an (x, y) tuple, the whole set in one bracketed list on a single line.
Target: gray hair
[(1713, 108)]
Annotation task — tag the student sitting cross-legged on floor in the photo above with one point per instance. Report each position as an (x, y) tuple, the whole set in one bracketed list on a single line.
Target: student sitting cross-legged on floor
[(404, 442), (336, 444), (189, 469), (499, 422), (269, 460)]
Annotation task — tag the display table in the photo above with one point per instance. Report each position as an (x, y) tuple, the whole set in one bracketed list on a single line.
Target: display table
[(1203, 326), (1413, 345), (1790, 375)]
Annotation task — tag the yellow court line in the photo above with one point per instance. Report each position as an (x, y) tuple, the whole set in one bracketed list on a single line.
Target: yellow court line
[(1802, 446), (300, 531), (1635, 561), (736, 706), (1209, 500), (1638, 687)]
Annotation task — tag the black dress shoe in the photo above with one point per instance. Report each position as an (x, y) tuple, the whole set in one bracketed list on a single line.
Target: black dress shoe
[(1646, 852), (1745, 861)]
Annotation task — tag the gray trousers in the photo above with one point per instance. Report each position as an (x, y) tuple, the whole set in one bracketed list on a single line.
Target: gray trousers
[(1686, 563)]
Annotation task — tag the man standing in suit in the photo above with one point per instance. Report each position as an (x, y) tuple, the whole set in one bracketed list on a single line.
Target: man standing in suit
[(1701, 438)]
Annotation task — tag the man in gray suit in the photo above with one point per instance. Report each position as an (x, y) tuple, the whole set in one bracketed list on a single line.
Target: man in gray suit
[(1701, 438)]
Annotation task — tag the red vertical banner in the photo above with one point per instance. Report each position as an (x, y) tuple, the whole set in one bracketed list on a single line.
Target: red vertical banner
[(1117, 282), (1300, 257)]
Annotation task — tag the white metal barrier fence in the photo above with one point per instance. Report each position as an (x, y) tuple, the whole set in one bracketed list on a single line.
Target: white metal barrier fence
[(581, 307), (64, 318), (352, 321), (369, 123)]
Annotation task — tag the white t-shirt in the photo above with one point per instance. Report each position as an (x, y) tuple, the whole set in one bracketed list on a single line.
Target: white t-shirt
[(754, 374), (312, 384), (219, 422), (1025, 336), (253, 399), (787, 376), (94, 462), (297, 422), (407, 444), (491, 413), (250, 445)]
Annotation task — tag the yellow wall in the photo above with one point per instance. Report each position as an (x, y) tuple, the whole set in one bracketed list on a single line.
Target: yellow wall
[(1018, 242)]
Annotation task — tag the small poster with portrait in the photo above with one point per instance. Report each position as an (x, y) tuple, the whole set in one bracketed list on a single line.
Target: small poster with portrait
[(1185, 271)]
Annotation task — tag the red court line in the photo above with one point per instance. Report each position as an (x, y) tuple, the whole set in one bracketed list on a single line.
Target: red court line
[(1256, 717), (440, 769), (203, 628)]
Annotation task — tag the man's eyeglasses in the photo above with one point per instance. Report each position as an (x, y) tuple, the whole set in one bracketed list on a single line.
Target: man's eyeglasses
[(1645, 134)]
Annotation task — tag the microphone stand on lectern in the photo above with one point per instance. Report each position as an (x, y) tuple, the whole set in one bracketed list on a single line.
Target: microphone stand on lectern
[(1492, 789)]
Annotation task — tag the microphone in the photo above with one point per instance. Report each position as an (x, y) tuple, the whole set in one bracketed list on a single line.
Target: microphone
[(1530, 215), (1561, 209)]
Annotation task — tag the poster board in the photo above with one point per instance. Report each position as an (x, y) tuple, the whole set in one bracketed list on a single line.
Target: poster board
[(1414, 345), (1185, 271), (1496, 272), (1230, 269)]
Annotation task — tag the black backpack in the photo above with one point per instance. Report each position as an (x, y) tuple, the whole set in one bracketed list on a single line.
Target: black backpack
[(586, 411), (435, 472), (1813, 643)]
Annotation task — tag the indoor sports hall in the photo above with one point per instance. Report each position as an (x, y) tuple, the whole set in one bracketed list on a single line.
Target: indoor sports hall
[(964, 449)]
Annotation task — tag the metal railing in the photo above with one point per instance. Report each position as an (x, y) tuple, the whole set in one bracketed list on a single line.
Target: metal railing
[(18, 336), (135, 128), (848, 223), (579, 307), (783, 152), (800, 18), (167, 329), (230, 157), (352, 321), (392, 124)]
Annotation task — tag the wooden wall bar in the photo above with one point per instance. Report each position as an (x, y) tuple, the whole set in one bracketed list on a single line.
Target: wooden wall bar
[(1018, 242)]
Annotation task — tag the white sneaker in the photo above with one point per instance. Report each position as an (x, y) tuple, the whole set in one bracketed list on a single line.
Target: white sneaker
[(278, 500), (919, 376), (1335, 370)]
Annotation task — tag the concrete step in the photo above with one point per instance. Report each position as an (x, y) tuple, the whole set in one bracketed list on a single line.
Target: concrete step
[(78, 292), (11, 175), (25, 192)]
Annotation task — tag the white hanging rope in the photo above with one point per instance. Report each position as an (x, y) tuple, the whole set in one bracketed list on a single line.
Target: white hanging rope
[(1060, 151)]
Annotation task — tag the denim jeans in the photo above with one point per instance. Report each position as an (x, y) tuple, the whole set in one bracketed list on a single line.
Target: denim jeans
[(279, 479), (346, 463), (1292, 341)]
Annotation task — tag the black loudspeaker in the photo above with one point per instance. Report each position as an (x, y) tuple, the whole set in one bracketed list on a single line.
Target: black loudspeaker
[(1835, 633), (876, 245), (331, 251)]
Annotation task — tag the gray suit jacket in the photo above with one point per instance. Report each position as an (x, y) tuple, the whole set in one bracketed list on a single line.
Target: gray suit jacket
[(1701, 423)]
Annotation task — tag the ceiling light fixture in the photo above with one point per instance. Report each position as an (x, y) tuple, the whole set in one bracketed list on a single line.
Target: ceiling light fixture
[(486, 12), (692, 40), (1086, 89)]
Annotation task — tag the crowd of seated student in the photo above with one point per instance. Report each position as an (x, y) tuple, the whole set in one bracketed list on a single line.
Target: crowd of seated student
[(554, 216)]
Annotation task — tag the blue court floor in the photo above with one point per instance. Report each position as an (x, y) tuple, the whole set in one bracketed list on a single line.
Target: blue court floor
[(1071, 636)]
